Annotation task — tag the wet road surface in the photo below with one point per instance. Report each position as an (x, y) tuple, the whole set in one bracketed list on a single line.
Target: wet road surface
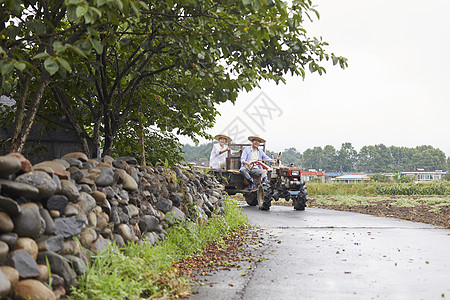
[(326, 254)]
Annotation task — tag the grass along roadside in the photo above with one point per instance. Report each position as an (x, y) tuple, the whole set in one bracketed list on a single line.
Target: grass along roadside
[(144, 271)]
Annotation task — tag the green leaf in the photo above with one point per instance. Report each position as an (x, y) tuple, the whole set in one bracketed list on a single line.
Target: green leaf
[(101, 2), (92, 32), (135, 9), (87, 18), (51, 66), (98, 12), (59, 47), (316, 12), (6, 87), (81, 10), (97, 46), (41, 55), (144, 5), (335, 60), (20, 66), (11, 31), (119, 4), (77, 50), (6, 67), (64, 63), (71, 13), (37, 26)]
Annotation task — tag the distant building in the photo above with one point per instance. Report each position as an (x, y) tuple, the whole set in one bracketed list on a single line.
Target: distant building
[(330, 175), (390, 175), (351, 178), (198, 163), (310, 174), (420, 175)]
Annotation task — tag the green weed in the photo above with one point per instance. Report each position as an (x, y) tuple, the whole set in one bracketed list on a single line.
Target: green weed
[(405, 202), (144, 271)]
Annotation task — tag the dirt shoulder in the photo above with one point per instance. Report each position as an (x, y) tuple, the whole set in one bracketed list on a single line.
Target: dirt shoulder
[(430, 209), (433, 210)]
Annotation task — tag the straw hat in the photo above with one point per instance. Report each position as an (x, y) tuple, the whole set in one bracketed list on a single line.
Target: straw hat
[(222, 136), (256, 137)]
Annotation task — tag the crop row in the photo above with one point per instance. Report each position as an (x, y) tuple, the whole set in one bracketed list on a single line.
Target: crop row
[(411, 189)]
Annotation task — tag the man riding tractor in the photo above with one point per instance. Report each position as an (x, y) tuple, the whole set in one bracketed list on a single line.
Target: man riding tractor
[(251, 159), (259, 183)]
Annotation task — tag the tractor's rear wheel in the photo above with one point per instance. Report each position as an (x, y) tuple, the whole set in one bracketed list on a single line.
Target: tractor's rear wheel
[(264, 196), (251, 198), (300, 200)]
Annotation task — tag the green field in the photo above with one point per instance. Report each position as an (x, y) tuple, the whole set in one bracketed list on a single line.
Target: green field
[(441, 188)]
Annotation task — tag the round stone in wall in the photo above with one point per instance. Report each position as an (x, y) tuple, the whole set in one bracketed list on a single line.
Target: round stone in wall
[(28, 222), (9, 165), (41, 180)]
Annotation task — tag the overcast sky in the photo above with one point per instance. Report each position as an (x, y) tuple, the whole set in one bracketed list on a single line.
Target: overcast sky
[(396, 90)]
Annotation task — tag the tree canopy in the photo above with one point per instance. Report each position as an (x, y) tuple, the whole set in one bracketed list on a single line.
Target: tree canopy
[(374, 158), (111, 65)]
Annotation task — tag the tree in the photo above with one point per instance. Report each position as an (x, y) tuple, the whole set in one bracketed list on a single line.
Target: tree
[(379, 178), (429, 158), (290, 156), (197, 153), (347, 157), (329, 158), (312, 158), (161, 147), (401, 158), (163, 63), (376, 158), (43, 39)]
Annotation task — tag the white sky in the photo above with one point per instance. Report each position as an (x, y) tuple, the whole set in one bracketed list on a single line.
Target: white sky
[(396, 90)]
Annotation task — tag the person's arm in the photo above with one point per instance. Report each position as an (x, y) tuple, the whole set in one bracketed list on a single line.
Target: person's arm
[(245, 157), (236, 152), (265, 157), (224, 150)]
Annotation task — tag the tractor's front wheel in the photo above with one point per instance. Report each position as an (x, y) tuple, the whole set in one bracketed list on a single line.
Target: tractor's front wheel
[(264, 196), (300, 200)]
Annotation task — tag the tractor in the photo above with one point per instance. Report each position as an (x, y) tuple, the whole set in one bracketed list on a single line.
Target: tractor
[(283, 182)]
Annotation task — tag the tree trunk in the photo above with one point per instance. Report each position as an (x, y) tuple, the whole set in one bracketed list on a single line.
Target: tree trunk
[(107, 147), (141, 140), (65, 106), (20, 109), (18, 143), (96, 136)]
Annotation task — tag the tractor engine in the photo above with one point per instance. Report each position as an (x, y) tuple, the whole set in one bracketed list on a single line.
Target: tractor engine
[(287, 183), (291, 178)]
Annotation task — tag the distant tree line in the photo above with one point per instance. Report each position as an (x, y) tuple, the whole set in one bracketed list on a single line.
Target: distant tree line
[(373, 158)]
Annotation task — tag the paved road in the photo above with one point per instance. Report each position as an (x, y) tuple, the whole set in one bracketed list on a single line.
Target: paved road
[(325, 254)]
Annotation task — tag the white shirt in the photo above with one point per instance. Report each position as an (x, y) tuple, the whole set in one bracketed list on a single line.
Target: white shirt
[(216, 159), (254, 156)]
